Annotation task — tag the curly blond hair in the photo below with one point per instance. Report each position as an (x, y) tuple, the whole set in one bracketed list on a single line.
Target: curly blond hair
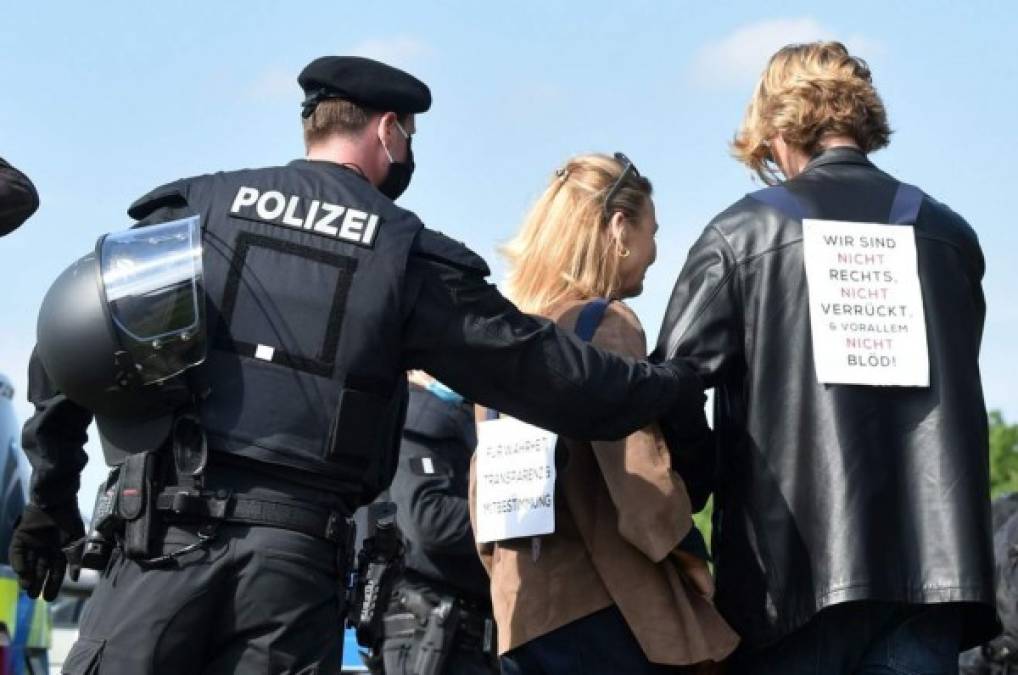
[(806, 93)]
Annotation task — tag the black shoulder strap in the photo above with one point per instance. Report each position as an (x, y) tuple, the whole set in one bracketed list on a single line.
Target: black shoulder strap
[(590, 318)]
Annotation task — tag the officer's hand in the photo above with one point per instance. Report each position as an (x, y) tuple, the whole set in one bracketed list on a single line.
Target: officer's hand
[(687, 411), (689, 438), (37, 554)]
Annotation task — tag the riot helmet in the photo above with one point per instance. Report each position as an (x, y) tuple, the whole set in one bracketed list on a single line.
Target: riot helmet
[(120, 326)]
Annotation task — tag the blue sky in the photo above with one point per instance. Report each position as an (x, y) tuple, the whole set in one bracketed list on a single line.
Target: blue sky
[(102, 101)]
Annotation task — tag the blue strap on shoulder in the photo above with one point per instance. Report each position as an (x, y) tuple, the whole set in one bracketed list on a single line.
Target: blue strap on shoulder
[(782, 199), (907, 202), (586, 325), (590, 318), (904, 209)]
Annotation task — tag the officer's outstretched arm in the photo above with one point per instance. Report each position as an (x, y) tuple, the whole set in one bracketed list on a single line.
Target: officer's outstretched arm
[(463, 331)]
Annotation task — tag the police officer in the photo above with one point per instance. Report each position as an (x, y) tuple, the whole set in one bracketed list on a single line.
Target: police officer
[(319, 294), (18, 198), (441, 563)]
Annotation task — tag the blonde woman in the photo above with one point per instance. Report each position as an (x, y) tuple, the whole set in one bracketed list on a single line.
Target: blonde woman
[(610, 591)]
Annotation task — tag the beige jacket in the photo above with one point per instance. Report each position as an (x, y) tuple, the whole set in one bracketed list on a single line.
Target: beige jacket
[(620, 512)]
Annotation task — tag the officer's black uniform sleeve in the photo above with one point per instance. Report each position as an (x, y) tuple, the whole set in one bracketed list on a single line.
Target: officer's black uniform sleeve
[(463, 331), (427, 484), (18, 198), (53, 439), (440, 519)]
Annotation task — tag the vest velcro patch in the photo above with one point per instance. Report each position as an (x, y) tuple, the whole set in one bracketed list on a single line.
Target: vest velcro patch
[(344, 223), (426, 466)]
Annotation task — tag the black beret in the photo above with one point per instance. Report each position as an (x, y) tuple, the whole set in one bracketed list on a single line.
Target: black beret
[(362, 81)]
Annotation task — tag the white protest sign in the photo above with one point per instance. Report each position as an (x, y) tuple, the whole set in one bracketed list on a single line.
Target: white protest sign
[(515, 479), (865, 304)]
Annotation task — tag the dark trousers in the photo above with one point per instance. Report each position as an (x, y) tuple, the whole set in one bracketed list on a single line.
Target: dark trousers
[(254, 600), (600, 643), (864, 638)]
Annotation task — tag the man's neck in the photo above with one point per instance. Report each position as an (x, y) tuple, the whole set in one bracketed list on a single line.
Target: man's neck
[(345, 152), (832, 142), (798, 159)]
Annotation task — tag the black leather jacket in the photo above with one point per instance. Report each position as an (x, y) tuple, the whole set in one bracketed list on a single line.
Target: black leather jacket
[(832, 493)]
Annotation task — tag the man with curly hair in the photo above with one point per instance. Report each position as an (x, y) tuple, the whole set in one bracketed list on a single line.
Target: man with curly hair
[(852, 513)]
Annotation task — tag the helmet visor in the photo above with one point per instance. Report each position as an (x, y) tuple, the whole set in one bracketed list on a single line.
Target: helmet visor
[(152, 279)]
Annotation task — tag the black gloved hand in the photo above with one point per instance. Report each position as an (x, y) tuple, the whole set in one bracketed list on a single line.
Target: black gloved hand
[(37, 547), (690, 439), (687, 411)]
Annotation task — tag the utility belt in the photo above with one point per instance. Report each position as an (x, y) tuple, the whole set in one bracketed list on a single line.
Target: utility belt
[(181, 505), (134, 502), (436, 624)]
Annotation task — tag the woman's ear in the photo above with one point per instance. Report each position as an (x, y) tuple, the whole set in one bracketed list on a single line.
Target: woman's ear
[(617, 228)]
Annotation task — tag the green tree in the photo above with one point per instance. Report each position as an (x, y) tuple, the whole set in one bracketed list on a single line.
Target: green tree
[(703, 520), (1003, 455)]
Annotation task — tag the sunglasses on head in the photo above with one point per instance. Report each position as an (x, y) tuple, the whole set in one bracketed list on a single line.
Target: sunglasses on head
[(628, 169)]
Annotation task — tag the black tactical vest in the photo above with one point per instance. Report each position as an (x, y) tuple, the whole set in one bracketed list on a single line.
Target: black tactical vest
[(304, 268)]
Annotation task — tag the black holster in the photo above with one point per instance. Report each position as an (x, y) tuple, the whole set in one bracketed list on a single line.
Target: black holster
[(439, 632), (424, 627), (1001, 655)]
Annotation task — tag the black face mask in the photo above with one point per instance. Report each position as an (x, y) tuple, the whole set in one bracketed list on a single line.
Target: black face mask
[(398, 177)]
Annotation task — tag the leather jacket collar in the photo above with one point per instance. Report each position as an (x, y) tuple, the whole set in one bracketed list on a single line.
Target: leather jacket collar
[(842, 154)]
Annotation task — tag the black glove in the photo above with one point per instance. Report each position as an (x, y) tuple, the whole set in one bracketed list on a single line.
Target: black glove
[(687, 411), (689, 438), (37, 547)]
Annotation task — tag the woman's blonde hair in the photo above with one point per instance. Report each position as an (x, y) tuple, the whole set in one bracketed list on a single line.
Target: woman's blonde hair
[(807, 92), (564, 249)]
